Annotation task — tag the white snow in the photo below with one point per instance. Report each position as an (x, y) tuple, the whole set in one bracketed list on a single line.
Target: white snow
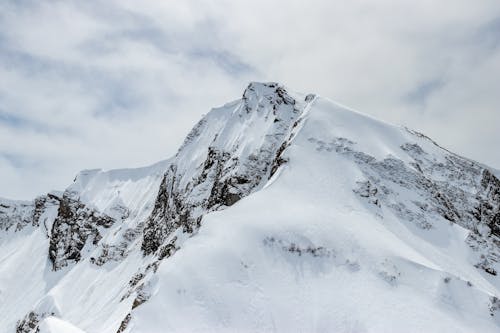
[(56, 325), (231, 277), (134, 189), (302, 254)]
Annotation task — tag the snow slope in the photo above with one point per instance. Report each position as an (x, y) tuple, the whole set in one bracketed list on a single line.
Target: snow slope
[(55, 325), (281, 212), (28, 282)]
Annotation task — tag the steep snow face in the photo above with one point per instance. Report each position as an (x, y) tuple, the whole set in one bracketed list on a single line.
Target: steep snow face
[(119, 192), (280, 212)]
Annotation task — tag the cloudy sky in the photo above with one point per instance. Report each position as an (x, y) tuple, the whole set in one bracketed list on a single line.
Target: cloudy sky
[(119, 83)]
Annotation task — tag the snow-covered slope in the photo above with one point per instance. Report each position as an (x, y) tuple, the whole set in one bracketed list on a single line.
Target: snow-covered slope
[(280, 212)]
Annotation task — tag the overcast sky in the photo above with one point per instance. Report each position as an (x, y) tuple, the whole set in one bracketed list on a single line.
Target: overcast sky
[(117, 83)]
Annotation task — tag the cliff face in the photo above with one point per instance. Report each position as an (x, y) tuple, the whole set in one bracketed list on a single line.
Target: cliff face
[(287, 200)]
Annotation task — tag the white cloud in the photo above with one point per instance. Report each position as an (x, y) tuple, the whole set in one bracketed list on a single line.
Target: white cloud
[(119, 83)]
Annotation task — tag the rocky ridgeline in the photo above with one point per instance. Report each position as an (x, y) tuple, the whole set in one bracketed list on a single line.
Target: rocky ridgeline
[(221, 178), (234, 151), (224, 175), (454, 188)]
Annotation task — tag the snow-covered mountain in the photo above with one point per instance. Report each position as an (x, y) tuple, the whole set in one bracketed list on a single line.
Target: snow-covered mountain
[(281, 212)]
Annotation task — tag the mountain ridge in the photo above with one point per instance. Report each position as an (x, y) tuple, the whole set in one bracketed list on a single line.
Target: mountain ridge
[(114, 239)]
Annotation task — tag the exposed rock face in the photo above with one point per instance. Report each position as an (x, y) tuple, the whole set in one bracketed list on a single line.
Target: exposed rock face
[(124, 323), (453, 188), (224, 172), (488, 209), (29, 324), (449, 187), (16, 214), (74, 225)]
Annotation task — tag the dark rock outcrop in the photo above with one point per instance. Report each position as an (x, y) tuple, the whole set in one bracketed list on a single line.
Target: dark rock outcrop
[(74, 225)]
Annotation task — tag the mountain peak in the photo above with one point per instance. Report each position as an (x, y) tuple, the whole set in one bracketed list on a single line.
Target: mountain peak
[(274, 193), (232, 152), (258, 95), (261, 88)]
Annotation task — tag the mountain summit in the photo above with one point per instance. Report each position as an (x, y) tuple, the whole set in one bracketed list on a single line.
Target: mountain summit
[(280, 212)]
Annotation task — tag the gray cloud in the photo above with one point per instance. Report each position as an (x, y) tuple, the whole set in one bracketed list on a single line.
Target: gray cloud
[(424, 91), (119, 83)]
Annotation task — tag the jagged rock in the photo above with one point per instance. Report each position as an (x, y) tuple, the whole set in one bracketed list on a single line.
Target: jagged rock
[(74, 225), (488, 210), (16, 214), (29, 324), (224, 175), (124, 323), (110, 253)]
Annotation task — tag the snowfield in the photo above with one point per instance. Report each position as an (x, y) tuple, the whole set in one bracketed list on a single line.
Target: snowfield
[(281, 212)]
